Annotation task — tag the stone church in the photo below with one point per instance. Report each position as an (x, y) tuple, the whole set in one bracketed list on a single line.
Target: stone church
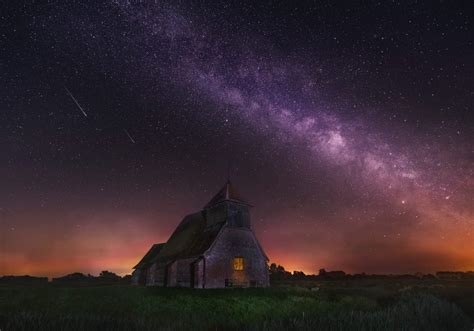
[(212, 248)]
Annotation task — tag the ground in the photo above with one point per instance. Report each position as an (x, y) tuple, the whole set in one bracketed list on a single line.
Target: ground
[(351, 305)]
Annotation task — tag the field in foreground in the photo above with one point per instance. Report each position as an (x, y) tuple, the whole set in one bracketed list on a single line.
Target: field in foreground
[(325, 306)]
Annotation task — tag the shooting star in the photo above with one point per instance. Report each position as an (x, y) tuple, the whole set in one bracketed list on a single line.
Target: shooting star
[(129, 136), (75, 101)]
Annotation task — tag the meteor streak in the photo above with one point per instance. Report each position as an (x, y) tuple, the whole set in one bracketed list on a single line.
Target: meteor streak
[(129, 136), (75, 101)]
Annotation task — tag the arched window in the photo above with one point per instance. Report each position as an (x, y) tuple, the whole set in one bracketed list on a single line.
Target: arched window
[(238, 263)]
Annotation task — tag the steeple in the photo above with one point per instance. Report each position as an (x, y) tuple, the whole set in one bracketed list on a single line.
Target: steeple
[(226, 193)]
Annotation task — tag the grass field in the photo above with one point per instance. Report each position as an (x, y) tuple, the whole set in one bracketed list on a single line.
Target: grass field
[(334, 306)]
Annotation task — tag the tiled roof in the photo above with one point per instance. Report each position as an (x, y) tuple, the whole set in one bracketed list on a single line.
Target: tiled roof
[(191, 238), (151, 254)]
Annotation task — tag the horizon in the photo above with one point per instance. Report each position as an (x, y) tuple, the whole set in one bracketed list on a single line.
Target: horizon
[(292, 272), (349, 129)]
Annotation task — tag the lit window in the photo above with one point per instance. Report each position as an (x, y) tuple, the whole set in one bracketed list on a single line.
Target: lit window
[(238, 263)]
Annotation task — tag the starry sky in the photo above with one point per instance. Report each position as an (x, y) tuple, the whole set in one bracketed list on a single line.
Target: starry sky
[(349, 129)]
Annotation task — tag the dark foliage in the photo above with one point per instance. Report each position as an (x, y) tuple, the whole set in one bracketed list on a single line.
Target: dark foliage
[(105, 277), (25, 280), (278, 273)]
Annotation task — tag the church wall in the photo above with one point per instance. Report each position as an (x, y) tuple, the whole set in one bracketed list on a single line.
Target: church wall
[(150, 275), (136, 277), (198, 273), (160, 274), (139, 277), (179, 273), (171, 280), (216, 214), (156, 274), (235, 242), (236, 215), (183, 275)]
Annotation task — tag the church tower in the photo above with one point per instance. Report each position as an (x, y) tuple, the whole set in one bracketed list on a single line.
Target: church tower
[(227, 206)]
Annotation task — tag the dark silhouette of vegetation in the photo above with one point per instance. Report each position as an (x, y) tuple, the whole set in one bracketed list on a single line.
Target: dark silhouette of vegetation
[(278, 273), (105, 277), (109, 276), (23, 280), (455, 275)]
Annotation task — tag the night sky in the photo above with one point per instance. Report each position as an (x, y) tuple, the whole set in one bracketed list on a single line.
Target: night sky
[(349, 129)]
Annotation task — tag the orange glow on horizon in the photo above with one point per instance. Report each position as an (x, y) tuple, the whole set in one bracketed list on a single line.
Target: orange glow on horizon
[(95, 247)]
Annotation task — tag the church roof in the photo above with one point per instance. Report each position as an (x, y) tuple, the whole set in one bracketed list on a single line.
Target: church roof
[(150, 255), (226, 193), (191, 238)]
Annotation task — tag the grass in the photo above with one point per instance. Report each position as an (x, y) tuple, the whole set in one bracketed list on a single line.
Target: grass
[(336, 306)]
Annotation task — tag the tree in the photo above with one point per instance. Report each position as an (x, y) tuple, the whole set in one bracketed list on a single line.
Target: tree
[(278, 272), (107, 275)]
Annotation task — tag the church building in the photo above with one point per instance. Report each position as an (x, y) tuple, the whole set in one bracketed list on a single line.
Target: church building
[(212, 248)]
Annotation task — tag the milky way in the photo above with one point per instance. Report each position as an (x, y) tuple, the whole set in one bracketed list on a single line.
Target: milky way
[(350, 134)]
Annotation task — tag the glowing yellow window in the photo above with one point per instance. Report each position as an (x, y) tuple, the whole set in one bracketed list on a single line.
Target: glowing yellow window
[(238, 263)]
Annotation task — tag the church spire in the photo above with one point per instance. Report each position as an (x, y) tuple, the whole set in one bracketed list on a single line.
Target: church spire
[(226, 193)]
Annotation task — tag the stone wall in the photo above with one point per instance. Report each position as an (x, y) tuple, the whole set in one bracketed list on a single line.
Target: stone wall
[(198, 273), (237, 215), (150, 275), (172, 270), (183, 275), (235, 242), (234, 214), (138, 277), (179, 273), (156, 274)]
